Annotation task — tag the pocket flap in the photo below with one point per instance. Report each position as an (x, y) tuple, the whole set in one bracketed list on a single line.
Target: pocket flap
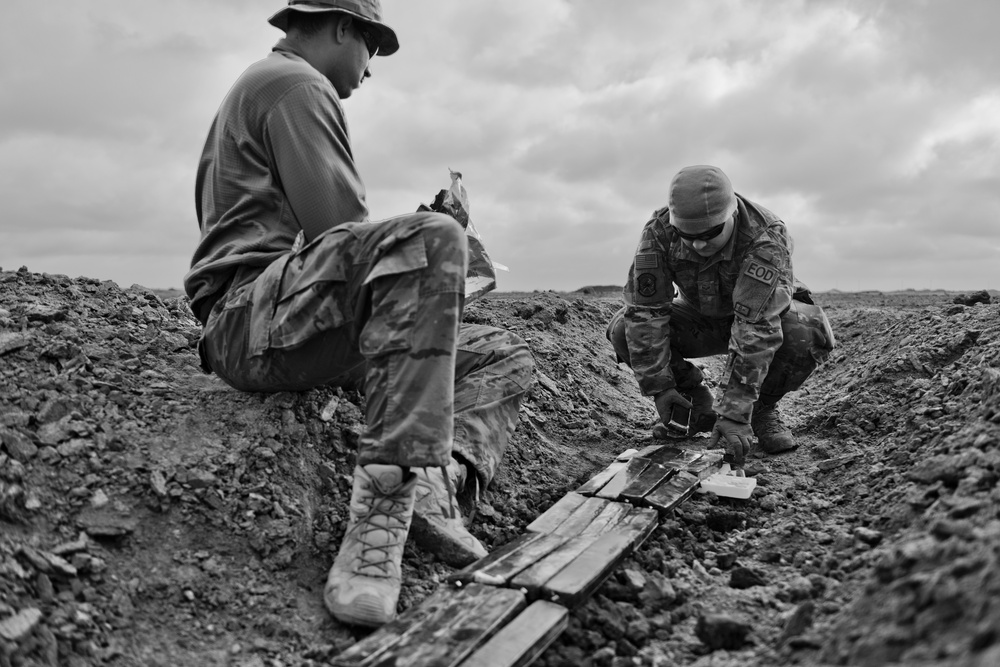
[(407, 255)]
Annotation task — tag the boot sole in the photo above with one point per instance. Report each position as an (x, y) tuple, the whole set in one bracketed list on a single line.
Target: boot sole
[(432, 538)]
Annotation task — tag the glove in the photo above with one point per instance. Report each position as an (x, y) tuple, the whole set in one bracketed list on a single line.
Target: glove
[(666, 402), (702, 415), (671, 406), (736, 437)]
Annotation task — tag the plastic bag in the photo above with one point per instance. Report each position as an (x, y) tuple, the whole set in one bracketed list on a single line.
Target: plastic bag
[(481, 277)]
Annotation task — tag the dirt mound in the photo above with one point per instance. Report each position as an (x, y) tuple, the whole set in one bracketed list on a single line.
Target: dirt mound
[(150, 515)]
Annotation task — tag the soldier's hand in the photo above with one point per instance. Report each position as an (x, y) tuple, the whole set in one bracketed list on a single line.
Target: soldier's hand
[(665, 402), (735, 436)]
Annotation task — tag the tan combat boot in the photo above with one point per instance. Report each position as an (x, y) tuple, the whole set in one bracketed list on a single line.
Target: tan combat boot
[(437, 522), (771, 432), (364, 582)]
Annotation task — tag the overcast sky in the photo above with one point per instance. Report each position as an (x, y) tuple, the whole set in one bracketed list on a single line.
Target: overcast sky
[(872, 128)]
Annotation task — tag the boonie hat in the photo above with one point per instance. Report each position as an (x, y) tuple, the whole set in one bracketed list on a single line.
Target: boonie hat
[(369, 11), (701, 195)]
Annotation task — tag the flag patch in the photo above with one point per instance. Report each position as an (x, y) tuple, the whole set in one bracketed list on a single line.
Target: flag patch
[(646, 260)]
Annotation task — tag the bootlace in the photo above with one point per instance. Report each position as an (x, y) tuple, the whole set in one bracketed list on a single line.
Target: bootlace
[(395, 526)]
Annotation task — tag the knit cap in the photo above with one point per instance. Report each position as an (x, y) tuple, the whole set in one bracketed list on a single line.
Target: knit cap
[(702, 196)]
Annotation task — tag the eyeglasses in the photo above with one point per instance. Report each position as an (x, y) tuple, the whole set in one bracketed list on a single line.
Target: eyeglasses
[(703, 236), (369, 38)]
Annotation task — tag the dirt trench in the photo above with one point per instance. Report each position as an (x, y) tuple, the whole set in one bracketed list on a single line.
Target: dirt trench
[(150, 515)]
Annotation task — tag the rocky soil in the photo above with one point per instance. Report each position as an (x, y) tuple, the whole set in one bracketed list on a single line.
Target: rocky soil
[(150, 515)]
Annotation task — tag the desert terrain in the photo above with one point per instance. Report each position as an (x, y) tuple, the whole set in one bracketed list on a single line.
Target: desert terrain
[(150, 515)]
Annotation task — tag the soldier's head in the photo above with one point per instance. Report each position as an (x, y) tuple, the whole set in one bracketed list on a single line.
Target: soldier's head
[(338, 37), (702, 208)]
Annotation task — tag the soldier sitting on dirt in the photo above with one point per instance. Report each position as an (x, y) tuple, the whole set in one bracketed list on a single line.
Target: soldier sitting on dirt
[(373, 305), (730, 260)]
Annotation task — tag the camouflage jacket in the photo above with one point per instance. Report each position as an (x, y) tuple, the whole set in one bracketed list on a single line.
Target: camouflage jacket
[(749, 280)]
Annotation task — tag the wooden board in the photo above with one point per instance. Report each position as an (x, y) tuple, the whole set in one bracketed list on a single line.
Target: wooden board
[(582, 517), (533, 579), (649, 479), (442, 638), (636, 523), (389, 634), (610, 516), (673, 492), (584, 574), (707, 464), (640, 524), (595, 483), (675, 457), (555, 515), (502, 570), (468, 574), (617, 484), (523, 640)]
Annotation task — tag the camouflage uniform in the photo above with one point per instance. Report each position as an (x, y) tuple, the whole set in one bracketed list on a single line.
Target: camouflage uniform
[(376, 305), (379, 304), (739, 300)]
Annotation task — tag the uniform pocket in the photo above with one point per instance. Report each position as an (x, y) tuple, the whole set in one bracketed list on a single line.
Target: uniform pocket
[(395, 298), (312, 300)]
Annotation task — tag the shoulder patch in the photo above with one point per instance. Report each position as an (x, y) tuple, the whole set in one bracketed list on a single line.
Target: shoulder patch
[(646, 260), (645, 284), (759, 271), (742, 309)]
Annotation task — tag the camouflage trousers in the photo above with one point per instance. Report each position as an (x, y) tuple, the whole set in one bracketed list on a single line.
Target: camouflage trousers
[(379, 306), (806, 342)]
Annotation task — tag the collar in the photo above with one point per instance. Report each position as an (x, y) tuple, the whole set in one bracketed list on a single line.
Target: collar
[(284, 46)]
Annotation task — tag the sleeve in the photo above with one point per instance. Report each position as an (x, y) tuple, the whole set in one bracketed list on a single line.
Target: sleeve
[(648, 295), (763, 292), (311, 146)]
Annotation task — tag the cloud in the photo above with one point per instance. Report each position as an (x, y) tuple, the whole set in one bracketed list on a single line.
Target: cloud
[(870, 127)]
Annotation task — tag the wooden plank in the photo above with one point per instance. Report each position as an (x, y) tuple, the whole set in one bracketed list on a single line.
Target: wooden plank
[(640, 523), (675, 457), (469, 622), (649, 479), (597, 482), (582, 517), (523, 640), (555, 515), (410, 621), (473, 572), (533, 579), (614, 488), (613, 514), (706, 465), (673, 492), (580, 578), (600, 479), (500, 572)]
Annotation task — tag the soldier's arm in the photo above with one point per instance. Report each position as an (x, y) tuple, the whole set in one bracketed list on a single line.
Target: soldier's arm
[(649, 294), (307, 133), (763, 292)]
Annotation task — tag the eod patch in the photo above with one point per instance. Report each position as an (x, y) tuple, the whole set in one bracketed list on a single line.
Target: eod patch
[(762, 272), (755, 288)]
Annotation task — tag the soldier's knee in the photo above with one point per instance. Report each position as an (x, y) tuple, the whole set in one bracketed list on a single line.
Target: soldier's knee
[(518, 362), (443, 236)]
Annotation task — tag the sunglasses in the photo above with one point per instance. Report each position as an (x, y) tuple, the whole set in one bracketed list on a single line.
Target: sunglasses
[(703, 236), (370, 40)]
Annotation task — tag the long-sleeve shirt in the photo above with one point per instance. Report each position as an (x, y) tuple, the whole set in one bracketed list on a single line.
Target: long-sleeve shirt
[(277, 161), (750, 280)]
